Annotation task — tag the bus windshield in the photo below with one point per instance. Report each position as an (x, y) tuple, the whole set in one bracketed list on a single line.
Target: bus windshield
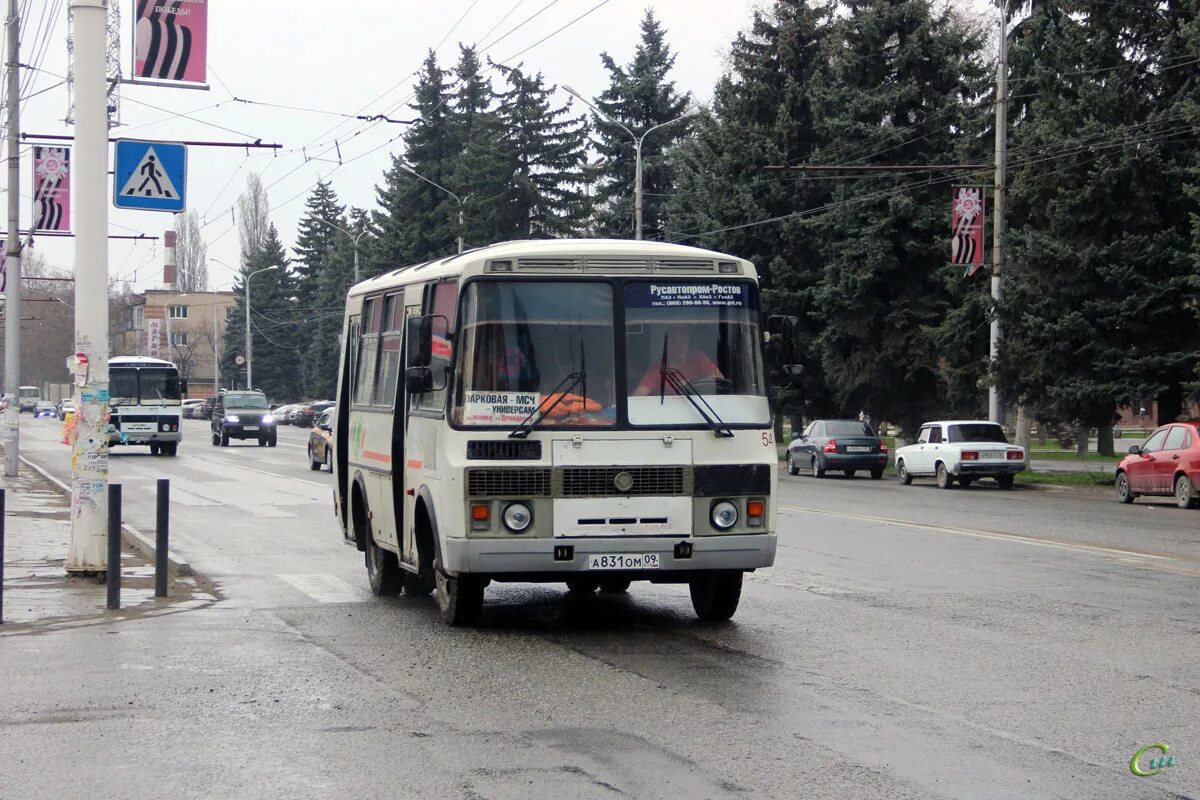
[(524, 341), (526, 345), (30, 391), (145, 386), (706, 334)]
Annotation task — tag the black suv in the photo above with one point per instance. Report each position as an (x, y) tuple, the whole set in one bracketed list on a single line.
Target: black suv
[(243, 415)]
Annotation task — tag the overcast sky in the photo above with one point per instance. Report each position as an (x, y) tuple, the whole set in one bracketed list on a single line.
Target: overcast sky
[(338, 57)]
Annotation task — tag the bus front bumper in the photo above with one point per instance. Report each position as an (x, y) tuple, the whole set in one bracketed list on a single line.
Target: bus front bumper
[(537, 558)]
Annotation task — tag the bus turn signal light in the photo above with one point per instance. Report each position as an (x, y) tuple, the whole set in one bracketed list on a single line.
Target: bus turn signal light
[(480, 516), (755, 511)]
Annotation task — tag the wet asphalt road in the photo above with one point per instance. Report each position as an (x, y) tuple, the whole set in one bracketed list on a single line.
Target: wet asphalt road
[(909, 643)]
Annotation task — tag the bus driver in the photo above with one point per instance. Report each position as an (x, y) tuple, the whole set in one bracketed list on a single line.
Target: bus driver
[(692, 362)]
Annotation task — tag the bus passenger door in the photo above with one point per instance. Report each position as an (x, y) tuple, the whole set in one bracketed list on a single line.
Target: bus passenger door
[(407, 477), (342, 430)]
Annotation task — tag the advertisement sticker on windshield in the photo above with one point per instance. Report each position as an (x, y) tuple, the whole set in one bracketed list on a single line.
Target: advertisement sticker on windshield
[(499, 408), (687, 295)]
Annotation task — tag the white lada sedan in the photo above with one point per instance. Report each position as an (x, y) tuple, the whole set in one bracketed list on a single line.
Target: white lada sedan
[(959, 451)]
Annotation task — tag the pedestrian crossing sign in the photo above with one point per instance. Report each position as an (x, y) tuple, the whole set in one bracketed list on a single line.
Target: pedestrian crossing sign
[(150, 176)]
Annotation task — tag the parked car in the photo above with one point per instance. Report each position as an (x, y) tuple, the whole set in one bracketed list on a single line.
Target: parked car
[(45, 408), (837, 444), (960, 451), (1167, 463), (206, 410), (283, 413), (66, 409), (320, 442), (188, 408), (305, 414), (243, 415)]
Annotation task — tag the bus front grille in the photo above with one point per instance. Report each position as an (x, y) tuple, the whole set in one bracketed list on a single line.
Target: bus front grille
[(602, 481), (508, 482)]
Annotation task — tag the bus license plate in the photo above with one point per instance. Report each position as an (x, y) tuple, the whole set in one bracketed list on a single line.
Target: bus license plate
[(250, 428), (624, 561)]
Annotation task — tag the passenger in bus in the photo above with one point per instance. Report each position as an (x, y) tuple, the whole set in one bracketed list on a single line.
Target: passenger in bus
[(691, 361)]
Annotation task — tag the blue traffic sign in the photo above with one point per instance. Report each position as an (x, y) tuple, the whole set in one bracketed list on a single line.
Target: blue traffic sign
[(150, 176)]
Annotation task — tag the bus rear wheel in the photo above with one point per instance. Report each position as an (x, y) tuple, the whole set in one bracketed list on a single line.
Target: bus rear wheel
[(715, 595), (383, 571), (460, 598)]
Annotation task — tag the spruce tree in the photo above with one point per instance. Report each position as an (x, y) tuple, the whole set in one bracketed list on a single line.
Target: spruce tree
[(413, 222), (316, 242), (639, 96), (548, 150), (483, 164), (900, 76)]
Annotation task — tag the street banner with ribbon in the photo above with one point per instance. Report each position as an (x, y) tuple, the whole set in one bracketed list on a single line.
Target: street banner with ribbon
[(51, 188), (966, 224), (170, 41)]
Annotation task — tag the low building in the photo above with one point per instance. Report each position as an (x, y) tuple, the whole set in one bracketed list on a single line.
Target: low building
[(187, 328)]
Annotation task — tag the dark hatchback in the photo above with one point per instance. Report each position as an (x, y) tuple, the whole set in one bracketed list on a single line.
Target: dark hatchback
[(844, 445)]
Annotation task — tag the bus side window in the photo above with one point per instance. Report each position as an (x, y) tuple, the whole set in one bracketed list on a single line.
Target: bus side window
[(389, 351), (441, 303), (364, 382)]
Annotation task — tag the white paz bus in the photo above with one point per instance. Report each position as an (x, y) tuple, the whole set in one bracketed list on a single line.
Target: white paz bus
[(588, 412), (145, 403)]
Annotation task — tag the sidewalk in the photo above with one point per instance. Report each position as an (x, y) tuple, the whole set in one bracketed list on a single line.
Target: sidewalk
[(37, 590)]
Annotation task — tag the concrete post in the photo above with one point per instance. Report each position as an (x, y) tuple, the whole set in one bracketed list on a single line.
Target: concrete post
[(89, 475), (12, 289)]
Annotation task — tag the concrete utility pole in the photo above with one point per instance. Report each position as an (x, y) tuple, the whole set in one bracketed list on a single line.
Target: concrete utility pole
[(638, 141), (89, 474), (995, 409), (12, 288), (249, 339)]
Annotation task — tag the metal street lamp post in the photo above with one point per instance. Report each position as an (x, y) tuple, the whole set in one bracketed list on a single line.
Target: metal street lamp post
[(457, 199), (357, 276), (249, 339), (638, 141)]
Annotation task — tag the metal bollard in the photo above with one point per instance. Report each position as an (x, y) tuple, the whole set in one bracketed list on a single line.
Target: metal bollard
[(114, 546), (1, 556), (161, 527)]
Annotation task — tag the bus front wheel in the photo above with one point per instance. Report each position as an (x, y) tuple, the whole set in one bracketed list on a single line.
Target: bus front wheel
[(460, 598), (715, 595)]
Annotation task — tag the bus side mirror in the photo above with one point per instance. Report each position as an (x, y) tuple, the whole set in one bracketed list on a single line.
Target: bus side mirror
[(418, 380), (420, 341)]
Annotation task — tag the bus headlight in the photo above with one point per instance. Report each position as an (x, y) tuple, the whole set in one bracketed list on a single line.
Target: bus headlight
[(517, 517), (724, 515)]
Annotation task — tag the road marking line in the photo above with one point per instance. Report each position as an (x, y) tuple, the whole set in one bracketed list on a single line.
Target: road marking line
[(1019, 538), (325, 588)]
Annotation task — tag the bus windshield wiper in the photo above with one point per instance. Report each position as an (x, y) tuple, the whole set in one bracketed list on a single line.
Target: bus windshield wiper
[(559, 392), (681, 385)]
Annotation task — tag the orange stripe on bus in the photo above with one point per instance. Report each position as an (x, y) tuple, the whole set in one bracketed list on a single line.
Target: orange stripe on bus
[(371, 454), (414, 464)]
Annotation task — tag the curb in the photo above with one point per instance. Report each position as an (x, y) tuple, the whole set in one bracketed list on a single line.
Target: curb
[(144, 544)]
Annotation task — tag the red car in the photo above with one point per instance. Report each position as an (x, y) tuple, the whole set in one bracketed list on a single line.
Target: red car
[(1166, 464)]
